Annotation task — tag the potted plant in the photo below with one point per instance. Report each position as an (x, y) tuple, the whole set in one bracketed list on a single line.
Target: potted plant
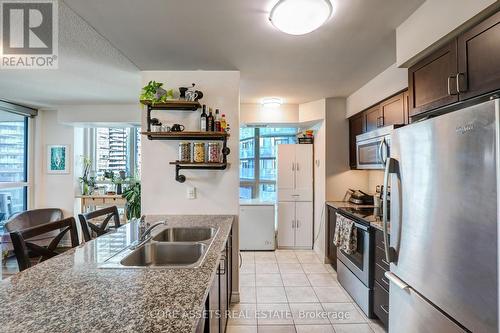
[(133, 196), (87, 182), (154, 93)]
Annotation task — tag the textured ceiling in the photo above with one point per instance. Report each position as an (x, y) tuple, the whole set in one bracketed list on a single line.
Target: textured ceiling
[(103, 45), (91, 71), (354, 46)]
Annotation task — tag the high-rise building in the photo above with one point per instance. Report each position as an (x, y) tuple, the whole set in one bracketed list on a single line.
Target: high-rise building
[(111, 150)]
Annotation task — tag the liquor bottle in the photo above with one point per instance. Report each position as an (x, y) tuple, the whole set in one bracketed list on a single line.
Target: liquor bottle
[(223, 123), (217, 121), (210, 121), (203, 119)]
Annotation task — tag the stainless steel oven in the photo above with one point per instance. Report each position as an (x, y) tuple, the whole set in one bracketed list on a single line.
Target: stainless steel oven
[(373, 148), (355, 271)]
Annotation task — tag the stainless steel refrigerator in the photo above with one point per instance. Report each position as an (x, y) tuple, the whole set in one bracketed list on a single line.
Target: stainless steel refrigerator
[(443, 230)]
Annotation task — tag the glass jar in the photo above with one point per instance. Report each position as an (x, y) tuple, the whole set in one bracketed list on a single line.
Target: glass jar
[(214, 153), (199, 152), (185, 152)]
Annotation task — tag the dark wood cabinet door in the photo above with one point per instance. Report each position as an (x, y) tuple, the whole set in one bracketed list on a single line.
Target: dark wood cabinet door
[(223, 290), (357, 125), (479, 59), (331, 250), (229, 268), (406, 106), (381, 304), (393, 111), (213, 307), (432, 80), (373, 118)]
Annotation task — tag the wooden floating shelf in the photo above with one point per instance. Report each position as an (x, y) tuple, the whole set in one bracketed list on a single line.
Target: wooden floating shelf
[(186, 135), (187, 165), (174, 105)]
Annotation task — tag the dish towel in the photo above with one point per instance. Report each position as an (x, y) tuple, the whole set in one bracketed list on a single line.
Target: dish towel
[(345, 237)]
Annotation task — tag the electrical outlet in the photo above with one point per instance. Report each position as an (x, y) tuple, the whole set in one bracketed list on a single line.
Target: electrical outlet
[(191, 193)]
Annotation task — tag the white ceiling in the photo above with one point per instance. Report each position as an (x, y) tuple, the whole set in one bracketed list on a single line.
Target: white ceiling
[(91, 71), (354, 46), (103, 45)]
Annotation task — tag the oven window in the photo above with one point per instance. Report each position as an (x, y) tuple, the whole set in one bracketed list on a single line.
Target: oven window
[(369, 153), (357, 257)]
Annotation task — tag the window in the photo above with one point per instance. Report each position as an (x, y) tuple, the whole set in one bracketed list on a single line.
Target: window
[(13, 165), (116, 149), (258, 147)]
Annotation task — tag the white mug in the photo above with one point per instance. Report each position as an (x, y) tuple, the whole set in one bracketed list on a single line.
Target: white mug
[(191, 95)]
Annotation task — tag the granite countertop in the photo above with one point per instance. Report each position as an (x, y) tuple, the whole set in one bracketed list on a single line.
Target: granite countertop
[(70, 293), (368, 213)]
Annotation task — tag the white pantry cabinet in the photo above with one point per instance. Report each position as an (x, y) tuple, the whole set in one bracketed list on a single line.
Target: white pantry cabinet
[(295, 196), (295, 172), (295, 224)]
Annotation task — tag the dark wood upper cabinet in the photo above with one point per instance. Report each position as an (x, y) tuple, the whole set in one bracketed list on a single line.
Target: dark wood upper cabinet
[(406, 107), (357, 125), (479, 59), (432, 82), (393, 111), (373, 118)]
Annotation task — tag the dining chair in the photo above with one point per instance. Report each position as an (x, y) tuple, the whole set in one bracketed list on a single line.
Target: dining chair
[(26, 251), (91, 229)]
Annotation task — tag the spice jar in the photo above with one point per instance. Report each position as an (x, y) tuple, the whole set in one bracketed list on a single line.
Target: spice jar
[(199, 152), (214, 152), (185, 152)]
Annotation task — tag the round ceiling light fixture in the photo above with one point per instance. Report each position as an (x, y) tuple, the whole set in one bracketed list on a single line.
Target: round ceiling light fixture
[(272, 102), (300, 17)]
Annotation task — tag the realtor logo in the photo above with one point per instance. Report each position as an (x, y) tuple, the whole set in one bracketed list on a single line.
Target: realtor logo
[(29, 31)]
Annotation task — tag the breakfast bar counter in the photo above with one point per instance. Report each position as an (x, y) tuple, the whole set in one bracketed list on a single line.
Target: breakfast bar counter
[(74, 292)]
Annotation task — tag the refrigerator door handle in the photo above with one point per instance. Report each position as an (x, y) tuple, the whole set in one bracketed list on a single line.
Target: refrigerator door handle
[(390, 167), (397, 281)]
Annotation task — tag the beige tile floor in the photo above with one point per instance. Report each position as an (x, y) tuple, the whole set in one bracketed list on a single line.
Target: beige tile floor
[(293, 292)]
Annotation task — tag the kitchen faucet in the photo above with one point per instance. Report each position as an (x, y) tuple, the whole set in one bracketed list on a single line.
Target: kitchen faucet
[(145, 232)]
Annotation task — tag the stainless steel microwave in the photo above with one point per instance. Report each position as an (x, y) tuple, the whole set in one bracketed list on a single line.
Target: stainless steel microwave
[(373, 148)]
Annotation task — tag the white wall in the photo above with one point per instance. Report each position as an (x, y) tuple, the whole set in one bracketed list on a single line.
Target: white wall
[(387, 83), (258, 114), (100, 115), (332, 175), (431, 23), (55, 190), (217, 191)]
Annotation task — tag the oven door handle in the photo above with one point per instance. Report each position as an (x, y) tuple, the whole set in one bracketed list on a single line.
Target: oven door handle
[(356, 224), (360, 226)]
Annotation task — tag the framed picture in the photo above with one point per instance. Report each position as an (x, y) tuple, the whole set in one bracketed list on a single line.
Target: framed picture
[(58, 159)]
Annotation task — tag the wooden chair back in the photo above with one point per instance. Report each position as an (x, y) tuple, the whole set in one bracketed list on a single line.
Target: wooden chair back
[(25, 250), (91, 229)]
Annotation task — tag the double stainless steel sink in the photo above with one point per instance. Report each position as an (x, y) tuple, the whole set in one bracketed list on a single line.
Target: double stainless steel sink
[(171, 247)]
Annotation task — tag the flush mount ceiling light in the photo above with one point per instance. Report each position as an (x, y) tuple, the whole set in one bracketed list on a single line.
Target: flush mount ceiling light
[(299, 17), (272, 102)]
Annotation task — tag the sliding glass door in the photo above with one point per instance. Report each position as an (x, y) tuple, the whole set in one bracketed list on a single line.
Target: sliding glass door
[(13, 164)]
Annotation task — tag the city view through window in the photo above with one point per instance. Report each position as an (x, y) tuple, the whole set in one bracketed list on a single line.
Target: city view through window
[(117, 149), (13, 165), (258, 147)]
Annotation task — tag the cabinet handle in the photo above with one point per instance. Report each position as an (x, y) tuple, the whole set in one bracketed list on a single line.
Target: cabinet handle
[(297, 166), (449, 85), (293, 224), (458, 82), (293, 166), (298, 224), (222, 271), (385, 309)]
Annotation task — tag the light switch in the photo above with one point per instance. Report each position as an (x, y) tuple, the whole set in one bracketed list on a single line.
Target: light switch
[(191, 192)]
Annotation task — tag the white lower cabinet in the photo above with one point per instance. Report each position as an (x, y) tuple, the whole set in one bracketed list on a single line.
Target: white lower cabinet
[(295, 225)]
